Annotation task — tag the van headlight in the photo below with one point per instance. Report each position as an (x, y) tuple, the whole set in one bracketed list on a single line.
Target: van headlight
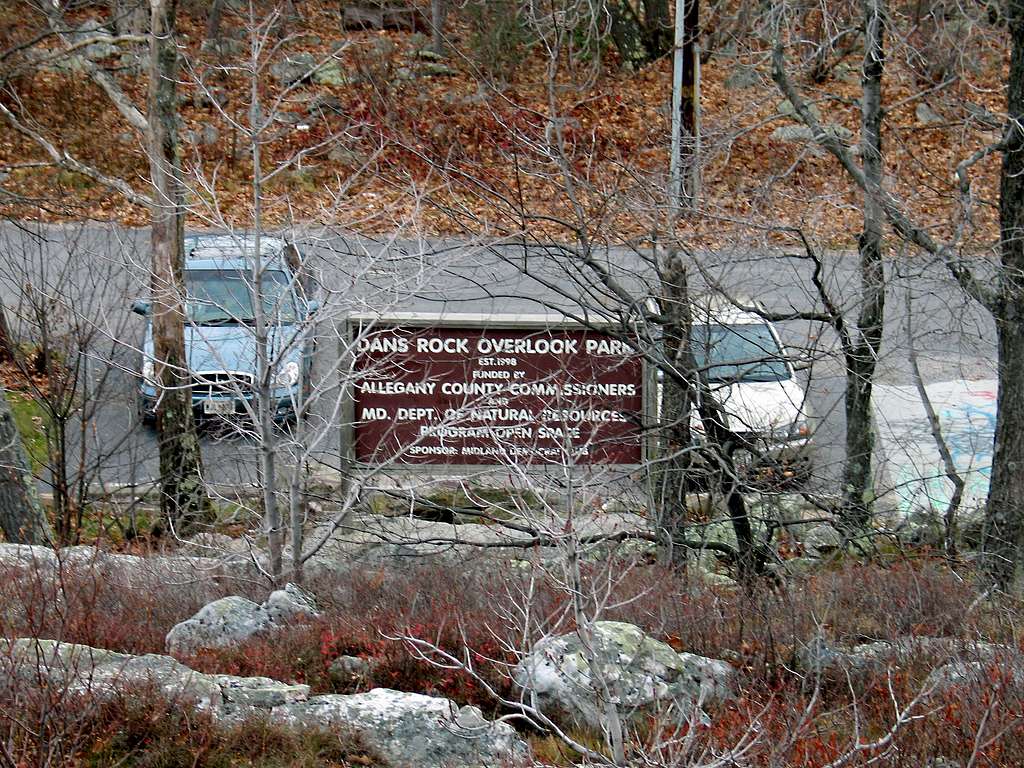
[(148, 372), (797, 430), (288, 375)]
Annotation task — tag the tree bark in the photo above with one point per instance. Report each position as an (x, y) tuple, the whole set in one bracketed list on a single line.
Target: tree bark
[(862, 354), (183, 499), (1004, 534), (6, 338), (628, 33), (676, 446), (22, 518), (438, 16), (130, 17), (658, 25), (213, 21)]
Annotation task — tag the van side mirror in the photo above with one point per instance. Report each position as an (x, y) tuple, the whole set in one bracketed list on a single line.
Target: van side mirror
[(801, 360), (140, 307)]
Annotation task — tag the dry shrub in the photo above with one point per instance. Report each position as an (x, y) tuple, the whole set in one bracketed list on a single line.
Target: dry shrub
[(468, 610), (101, 605), (139, 728)]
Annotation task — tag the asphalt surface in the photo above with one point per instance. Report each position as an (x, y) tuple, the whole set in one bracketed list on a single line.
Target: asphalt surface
[(84, 278)]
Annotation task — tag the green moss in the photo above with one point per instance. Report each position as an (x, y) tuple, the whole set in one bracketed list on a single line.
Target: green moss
[(31, 420)]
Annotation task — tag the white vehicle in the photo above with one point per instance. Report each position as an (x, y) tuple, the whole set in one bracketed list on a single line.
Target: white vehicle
[(754, 382)]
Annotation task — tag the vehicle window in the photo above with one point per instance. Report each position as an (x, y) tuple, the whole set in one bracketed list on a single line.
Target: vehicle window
[(745, 352), (225, 296)]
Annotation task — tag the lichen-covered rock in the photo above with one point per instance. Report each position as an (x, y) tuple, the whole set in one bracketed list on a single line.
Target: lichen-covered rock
[(407, 729), (412, 730), (350, 670), (820, 658), (220, 624), (244, 694), (234, 619), (81, 669), (27, 556), (153, 671), (290, 604), (293, 68), (641, 673)]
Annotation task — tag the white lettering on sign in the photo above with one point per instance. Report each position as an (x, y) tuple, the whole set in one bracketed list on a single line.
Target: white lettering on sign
[(414, 414), (487, 346), (557, 433), (606, 347), (571, 415), (543, 389), (466, 388), (384, 344), (374, 414), (398, 387), (448, 346)]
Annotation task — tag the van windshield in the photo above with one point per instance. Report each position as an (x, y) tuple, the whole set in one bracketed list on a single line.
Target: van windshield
[(225, 297), (744, 352)]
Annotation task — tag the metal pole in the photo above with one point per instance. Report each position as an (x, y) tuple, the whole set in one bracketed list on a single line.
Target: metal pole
[(675, 169)]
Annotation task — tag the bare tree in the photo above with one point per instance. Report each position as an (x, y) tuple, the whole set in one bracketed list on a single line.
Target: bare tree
[(22, 518), (183, 495), (1004, 299), (183, 500)]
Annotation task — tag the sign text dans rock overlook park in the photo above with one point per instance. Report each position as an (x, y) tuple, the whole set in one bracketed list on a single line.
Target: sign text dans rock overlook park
[(493, 396)]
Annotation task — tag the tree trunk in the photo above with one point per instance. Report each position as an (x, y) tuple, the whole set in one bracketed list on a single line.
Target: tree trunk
[(6, 339), (438, 16), (130, 17), (676, 447), (658, 26), (1004, 514), (183, 498), (22, 518), (1004, 524), (628, 34), (862, 355), (213, 21)]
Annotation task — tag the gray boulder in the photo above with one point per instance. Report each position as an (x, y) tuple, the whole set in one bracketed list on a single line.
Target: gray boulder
[(926, 115), (786, 109), (822, 540), (331, 74), (801, 133), (410, 729), (80, 669), (293, 69), (350, 670), (642, 674), (234, 619), (742, 76), (245, 694), (819, 657), (290, 604), (407, 729), (102, 46), (220, 624)]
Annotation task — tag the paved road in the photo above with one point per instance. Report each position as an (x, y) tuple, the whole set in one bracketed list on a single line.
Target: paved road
[(90, 274)]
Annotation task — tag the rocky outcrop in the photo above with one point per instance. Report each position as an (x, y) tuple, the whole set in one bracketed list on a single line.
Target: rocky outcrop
[(641, 674), (819, 658), (410, 729), (407, 729), (80, 669), (234, 619)]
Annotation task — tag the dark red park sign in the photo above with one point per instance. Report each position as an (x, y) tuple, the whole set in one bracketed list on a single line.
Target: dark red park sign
[(444, 395)]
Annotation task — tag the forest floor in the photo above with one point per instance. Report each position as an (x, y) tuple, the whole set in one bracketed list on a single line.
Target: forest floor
[(394, 141)]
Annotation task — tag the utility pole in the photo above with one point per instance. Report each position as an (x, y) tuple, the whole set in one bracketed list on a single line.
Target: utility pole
[(684, 165)]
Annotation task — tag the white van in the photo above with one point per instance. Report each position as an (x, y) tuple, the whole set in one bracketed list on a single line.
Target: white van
[(753, 380)]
